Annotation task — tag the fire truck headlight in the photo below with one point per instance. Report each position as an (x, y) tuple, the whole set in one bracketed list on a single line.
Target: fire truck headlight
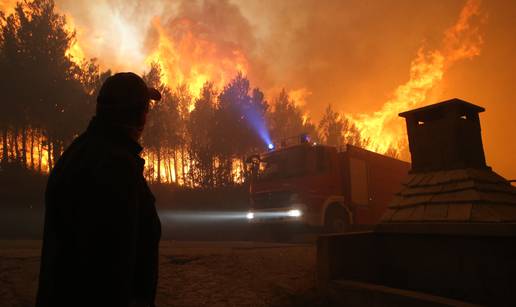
[(250, 215), (294, 213)]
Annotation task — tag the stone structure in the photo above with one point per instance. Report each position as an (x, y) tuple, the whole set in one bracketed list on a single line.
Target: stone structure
[(445, 136), (450, 182), (450, 233)]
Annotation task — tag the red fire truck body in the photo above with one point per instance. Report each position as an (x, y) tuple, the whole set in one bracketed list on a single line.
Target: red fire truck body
[(318, 185)]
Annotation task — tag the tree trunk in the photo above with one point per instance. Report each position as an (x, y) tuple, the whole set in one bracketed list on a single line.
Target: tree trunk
[(40, 153), (230, 170), (242, 170), (212, 172), (12, 147), (171, 179), (5, 147), (165, 167), (183, 175), (169, 171), (149, 168), (32, 149), (174, 151), (16, 148), (56, 151), (153, 169), (191, 171), (49, 153), (24, 146), (169, 163), (159, 165)]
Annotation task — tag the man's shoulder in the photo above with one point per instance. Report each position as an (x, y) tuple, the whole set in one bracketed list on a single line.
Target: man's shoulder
[(89, 153), (115, 157), (106, 149)]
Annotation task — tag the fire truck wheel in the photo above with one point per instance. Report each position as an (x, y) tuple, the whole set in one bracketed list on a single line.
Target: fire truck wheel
[(336, 220)]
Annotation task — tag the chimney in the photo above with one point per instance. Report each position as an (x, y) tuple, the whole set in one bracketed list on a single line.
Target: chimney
[(449, 182), (445, 136)]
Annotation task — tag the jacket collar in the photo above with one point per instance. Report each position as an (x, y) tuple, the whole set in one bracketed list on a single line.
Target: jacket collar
[(113, 133)]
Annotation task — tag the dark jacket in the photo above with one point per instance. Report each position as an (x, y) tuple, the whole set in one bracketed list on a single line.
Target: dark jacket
[(101, 236)]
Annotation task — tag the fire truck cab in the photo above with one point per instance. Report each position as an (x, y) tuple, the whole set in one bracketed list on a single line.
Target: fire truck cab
[(322, 186)]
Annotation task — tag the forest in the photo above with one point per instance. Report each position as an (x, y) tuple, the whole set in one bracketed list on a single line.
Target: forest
[(191, 139)]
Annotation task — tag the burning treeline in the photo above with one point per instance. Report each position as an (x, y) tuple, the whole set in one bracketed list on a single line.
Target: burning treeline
[(205, 127)]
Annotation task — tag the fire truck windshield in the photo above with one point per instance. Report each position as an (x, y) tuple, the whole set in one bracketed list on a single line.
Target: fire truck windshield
[(291, 162)]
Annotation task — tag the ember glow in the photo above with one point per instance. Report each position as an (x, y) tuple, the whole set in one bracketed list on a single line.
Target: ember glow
[(383, 129)]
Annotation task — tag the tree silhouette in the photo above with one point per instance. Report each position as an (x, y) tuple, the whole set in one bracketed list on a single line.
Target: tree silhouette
[(233, 131), (286, 119), (161, 131), (10, 111), (331, 127), (184, 99), (34, 46), (337, 130), (202, 143), (352, 134)]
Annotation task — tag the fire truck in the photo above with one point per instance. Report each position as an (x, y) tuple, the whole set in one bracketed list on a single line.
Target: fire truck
[(336, 189)]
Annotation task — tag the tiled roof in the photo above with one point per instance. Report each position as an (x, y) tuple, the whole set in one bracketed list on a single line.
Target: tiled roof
[(465, 195)]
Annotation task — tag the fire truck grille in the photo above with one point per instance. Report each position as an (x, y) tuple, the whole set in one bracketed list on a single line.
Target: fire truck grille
[(271, 200)]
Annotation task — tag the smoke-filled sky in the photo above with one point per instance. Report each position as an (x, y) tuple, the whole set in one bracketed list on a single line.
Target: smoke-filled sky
[(353, 54)]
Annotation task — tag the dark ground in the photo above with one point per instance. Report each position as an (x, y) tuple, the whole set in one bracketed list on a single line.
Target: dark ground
[(192, 274)]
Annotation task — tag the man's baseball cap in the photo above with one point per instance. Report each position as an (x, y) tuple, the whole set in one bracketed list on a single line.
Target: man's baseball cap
[(124, 98), (126, 90)]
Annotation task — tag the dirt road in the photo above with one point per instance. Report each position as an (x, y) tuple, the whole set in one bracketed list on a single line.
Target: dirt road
[(192, 274)]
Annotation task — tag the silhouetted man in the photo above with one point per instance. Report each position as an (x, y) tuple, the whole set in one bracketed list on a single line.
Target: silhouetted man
[(100, 243)]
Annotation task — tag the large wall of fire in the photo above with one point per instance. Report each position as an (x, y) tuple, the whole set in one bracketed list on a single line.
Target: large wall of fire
[(199, 41)]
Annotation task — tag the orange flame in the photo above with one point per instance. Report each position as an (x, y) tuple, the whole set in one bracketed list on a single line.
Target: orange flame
[(306, 118), (74, 52), (299, 96), (381, 129), (7, 6), (191, 59)]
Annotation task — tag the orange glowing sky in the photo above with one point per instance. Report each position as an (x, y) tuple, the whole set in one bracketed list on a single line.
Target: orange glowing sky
[(354, 54)]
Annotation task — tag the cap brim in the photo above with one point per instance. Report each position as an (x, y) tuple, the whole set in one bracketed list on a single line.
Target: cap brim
[(154, 94)]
